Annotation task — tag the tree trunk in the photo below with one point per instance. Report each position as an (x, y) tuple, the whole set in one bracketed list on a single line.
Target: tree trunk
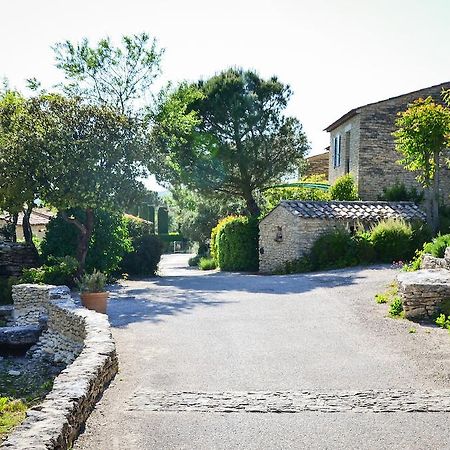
[(435, 195), (84, 237), (83, 241), (26, 227), (252, 207), (15, 218)]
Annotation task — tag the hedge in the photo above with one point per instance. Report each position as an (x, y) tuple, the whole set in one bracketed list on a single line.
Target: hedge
[(236, 244)]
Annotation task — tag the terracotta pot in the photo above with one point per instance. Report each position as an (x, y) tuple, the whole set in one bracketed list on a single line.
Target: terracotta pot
[(96, 301)]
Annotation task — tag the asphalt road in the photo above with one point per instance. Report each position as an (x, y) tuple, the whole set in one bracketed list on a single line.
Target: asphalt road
[(228, 361)]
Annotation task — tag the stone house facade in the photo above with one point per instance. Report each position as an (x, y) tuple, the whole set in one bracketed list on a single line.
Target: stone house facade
[(289, 230), (361, 143), (317, 164)]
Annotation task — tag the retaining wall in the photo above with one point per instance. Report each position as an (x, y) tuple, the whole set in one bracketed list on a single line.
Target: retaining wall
[(78, 337)]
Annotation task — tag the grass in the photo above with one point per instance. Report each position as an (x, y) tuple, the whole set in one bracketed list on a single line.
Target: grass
[(390, 297), (12, 413), (19, 392), (207, 264)]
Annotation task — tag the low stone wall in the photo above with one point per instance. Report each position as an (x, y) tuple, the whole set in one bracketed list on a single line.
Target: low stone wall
[(423, 292), (78, 337), (14, 257), (430, 262)]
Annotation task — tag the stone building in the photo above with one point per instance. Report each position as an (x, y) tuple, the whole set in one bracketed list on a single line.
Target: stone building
[(39, 219), (361, 143), (317, 164), (289, 230)]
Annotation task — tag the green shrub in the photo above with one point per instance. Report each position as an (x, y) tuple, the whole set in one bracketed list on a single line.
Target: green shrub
[(167, 240), (57, 271), (110, 240), (396, 307), (344, 189), (364, 249), (207, 264), (392, 240), (443, 321), (398, 192), (438, 245), (6, 284), (193, 262), (237, 244), (144, 259), (213, 245), (333, 249)]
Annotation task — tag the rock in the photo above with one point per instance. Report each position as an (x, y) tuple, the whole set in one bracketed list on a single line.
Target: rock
[(20, 335), (14, 373)]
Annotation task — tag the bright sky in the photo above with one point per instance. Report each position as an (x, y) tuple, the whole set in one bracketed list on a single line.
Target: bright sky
[(335, 54)]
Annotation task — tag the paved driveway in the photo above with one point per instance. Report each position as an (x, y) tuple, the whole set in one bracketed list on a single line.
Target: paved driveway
[(225, 361)]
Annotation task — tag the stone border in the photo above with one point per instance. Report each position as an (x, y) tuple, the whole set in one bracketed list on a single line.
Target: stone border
[(57, 421)]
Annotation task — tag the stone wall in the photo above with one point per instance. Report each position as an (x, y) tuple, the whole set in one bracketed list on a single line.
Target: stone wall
[(284, 237), (423, 292), (317, 165), (348, 130), (14, 257), (82, 339)]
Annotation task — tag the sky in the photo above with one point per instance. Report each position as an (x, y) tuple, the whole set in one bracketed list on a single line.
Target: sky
[(335, 54)]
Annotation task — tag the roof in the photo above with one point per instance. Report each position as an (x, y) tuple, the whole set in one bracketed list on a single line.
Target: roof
[(364, 211), (355, 111), (39, 216)]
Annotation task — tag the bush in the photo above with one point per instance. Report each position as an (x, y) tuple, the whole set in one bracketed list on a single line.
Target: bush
[(193, 262), (236, 244), (392, 240), (213, 245), (144, 259), (110, 240), (167, 240), (437, 246), (400, 193), (396, 307), (207, 264), (333, 249), (6, 285), (57, 271), (344, 189)]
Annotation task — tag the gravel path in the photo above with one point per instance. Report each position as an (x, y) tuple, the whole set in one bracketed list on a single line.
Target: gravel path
[(224, 361)]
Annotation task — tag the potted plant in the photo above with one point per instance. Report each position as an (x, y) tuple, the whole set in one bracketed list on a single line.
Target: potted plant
[(93, 294)]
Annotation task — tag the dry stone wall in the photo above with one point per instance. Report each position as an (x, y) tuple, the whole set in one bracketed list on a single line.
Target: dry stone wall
[(78, 337), (423, 292), (14, 257)]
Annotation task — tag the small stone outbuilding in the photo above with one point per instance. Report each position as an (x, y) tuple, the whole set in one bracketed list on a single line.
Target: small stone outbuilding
[(289, 230)]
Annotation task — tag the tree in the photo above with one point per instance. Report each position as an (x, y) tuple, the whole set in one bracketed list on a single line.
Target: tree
[(196, 214), (20, 161), (228, 135), (91, 158), (108, 75), (422, 136)]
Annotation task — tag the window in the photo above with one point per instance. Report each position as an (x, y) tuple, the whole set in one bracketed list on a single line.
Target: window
[(337, 151), (347, 152)]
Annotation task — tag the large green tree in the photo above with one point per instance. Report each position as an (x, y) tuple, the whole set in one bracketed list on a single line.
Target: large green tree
[(20, 161), (228, 135), (423, 138), (91, 158), (119, 76)]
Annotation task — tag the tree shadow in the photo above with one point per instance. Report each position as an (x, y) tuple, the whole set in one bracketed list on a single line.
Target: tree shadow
[(154, 299)]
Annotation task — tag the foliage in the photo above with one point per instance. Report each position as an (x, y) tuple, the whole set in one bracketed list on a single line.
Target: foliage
[(109, 242), (437, 246), (398, 192), (193, 262), (443, 321), (396, 307), (237, 245), (388, 295), (58, 271), (109, 75), (333, 249), (195, 213), (12, 412), (344, 189), (228, 134), (145, 257), (93, 282), (422, 135), (392, 240), (273, 196), (207, 263), (213, 246), (6, 284)]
